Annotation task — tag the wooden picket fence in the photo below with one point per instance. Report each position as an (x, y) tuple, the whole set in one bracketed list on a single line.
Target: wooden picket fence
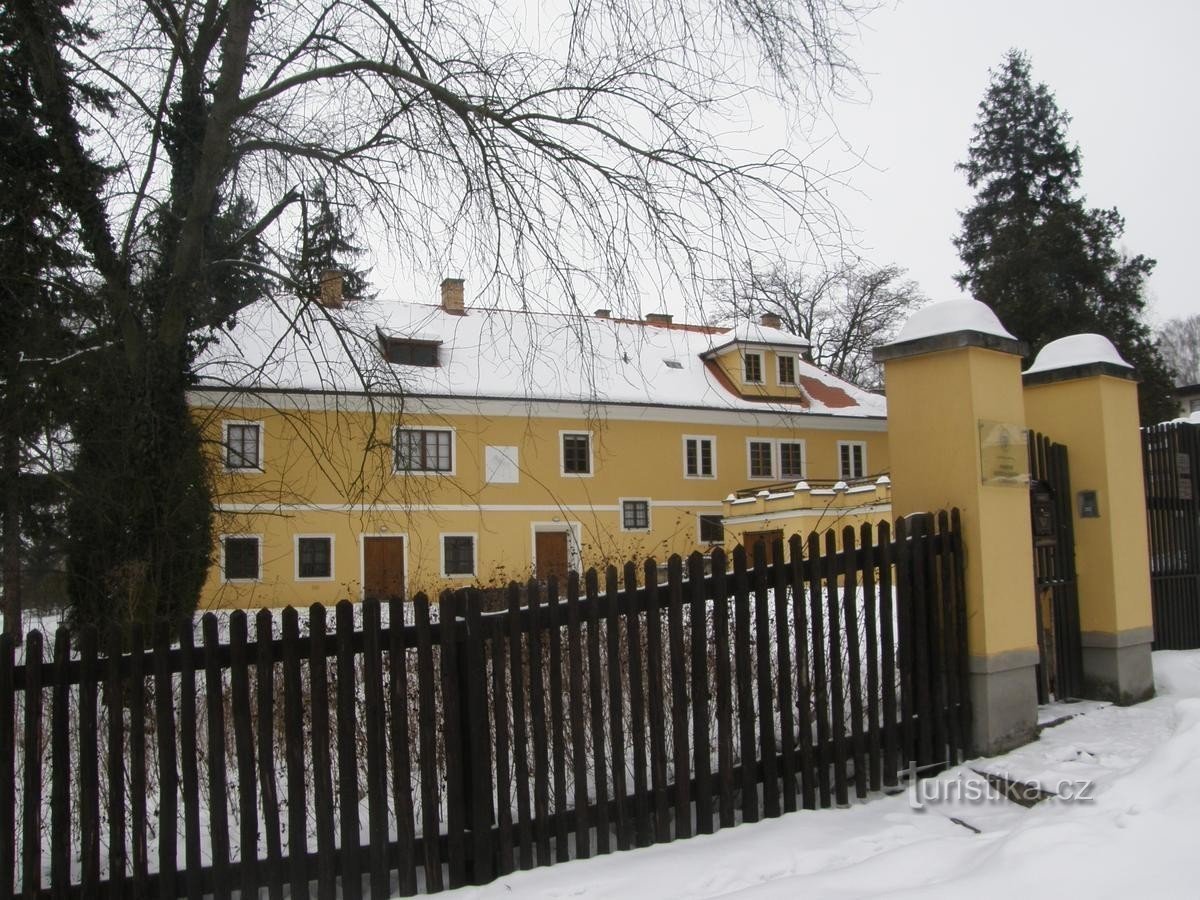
[(392, 758)]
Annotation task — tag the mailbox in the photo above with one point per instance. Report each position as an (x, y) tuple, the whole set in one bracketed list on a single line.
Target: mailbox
[(1041, 508)]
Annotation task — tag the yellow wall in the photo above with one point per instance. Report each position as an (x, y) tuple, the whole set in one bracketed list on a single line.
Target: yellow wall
[(934, 448), (1097, 418), (330, 473), (804, 512)]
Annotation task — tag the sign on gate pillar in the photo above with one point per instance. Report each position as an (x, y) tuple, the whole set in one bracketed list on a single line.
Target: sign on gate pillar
[(1084, 395), (957, 437)]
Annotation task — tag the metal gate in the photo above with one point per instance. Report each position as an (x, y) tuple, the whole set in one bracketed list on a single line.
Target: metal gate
[(1060, 672), (1171, 457)]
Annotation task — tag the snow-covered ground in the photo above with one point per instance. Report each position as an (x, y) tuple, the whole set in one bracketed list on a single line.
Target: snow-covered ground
[(1135, 834)]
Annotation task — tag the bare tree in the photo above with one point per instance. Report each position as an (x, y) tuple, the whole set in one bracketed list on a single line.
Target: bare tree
[(844, 311), (1179, 343)]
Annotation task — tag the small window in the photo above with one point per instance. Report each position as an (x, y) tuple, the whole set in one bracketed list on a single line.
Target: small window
[(791, 460), (673, 364), (314, 557), (458, 555), (698, 457), (410, 353), (712, 530), (760, 460), (852, 459), (787, 369), (240, 557), (576, 454), (753, 365), (424, 450), (242, 445), (635, 515)]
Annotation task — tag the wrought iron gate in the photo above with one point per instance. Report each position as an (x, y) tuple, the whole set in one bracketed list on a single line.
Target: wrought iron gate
[(1060, 673)]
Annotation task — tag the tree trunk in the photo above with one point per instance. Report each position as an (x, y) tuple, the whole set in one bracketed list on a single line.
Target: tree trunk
[(10, 473)]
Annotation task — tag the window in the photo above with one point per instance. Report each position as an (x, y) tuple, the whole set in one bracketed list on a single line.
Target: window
[(852, 459), (243, 446), (314, 558), (239, 558), (635, 515), (787, 369), (458, 555), (760, 460), (576, 454), (698, 457), (410, 353), (712, 530), (753, 368), (791, 459), (424, 450)]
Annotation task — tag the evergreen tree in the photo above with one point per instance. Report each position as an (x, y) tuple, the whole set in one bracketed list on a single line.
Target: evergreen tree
[(1033, 251), (325, 243)]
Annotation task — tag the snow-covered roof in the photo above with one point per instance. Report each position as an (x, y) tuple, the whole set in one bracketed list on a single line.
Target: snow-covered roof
[(750, 332), (499, 354), (1076, 350), (950, 316)]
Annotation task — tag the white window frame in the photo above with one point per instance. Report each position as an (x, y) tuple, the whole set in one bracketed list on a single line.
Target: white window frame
[(699, 536), (621, 501), (258, 579), (474, 536), (795, 369), (746, 354), (426, 473), (225, 446), (296, 557), (777, 459), (713, 443), (562, 454), (845, 475)]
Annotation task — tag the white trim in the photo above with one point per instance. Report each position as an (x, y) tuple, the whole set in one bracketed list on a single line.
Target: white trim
[(256, 580), (700, 437), (762, 415), (270, 507), (574, 543), (562, 454), (795, 369), (822, 513), (699, 537), (777, 458), (426, 473), (296, 557), (762, 358), (474, 536), (362, 558), (225, 423), (845, 475), (621, 501)]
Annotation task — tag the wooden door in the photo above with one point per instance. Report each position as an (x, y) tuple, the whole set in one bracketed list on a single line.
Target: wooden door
[(383, 568), (751, 539), (550, 550)]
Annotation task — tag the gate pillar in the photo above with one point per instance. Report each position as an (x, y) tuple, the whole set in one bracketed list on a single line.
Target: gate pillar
[(1081, 391), (956, 437)]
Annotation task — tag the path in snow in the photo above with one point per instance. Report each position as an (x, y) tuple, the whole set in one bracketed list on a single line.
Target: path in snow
[(1137, 838)]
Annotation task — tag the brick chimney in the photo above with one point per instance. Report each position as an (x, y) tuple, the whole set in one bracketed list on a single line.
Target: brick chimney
[(658, 318), (603, 313), (452, 296), (770, 320), (332, 282)]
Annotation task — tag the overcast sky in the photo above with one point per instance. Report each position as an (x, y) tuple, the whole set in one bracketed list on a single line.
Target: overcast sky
[(1128, 74)]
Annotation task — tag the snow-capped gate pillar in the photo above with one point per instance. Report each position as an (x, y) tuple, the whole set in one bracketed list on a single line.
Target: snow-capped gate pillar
[(956, 437), (1081, 393)]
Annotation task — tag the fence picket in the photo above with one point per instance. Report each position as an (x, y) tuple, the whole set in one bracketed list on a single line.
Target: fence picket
[(114, 698), (322, 765), (616, 725), (874, 688), (452, 722), (243, 742), (637, 707), (764, 677), (850, 617), (89, 768), (520, 733), (8, 776), (658, 736), (402, 797), (596, 695), (377, 804), (293, 739), (537, 720), (698, 617), (31, 833), (137, 761), (477, 742), (60, 767), (583, 843), (783, 654), (888, 675), (747, 742), (504, 843), (816, 610), (725, 784), (837, 686), (189, 768), (679, 698), (558, 738), (168, 772), (430, 828), (804, 716), (268, 792)]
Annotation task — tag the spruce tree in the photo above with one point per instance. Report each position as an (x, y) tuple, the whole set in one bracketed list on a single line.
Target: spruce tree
[(1034, 251)]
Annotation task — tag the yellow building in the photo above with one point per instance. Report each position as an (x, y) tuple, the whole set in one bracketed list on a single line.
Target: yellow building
[(373, 447)]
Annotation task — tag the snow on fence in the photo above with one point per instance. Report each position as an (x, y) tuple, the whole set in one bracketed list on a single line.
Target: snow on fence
[(385, 757)]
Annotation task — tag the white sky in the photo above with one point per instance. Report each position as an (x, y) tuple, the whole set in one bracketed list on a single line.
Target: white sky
[(1126, 72)]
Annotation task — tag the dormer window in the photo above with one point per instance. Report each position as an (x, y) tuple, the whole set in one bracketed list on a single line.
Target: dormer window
[(405, 352), (752, 368), (787, 369)]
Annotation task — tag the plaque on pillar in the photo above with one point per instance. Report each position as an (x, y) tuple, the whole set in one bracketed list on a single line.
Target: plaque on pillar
[(1003, 454)]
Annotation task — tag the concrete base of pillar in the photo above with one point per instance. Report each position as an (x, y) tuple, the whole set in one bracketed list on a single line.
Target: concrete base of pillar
[(1117, 667), (1004, 701)]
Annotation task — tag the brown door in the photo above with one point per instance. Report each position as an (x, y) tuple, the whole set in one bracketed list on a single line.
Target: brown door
[(751, 539), (383, 568), (550, 551)]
